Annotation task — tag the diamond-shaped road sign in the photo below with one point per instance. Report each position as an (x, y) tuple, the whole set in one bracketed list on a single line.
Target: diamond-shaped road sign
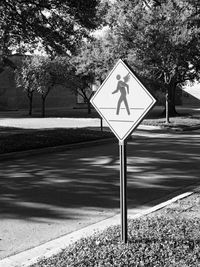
[(122, 100)]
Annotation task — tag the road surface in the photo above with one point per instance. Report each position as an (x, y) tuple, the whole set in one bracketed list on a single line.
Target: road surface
[(46, 196)]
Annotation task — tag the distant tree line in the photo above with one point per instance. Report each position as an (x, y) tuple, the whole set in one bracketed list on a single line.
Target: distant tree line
[(158, 39)]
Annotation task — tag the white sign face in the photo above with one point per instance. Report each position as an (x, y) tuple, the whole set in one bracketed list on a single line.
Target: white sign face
[(122, 101)]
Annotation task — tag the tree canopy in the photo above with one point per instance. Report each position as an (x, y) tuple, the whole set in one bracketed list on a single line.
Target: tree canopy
[(57, 24), (159, 39), (41, 74), (162, 40)]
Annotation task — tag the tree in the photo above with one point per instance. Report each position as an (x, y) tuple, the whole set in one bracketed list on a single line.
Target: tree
[(51, 72), (25, 78), (159, 40), (57, 24), (82, 79), (41, 74), (83, 88), (91, 67)]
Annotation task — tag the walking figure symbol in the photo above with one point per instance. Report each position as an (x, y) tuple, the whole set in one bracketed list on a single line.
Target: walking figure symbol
[(123, 88)]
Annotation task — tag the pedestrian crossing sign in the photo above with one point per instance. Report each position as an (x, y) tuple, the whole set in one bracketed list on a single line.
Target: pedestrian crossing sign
[(122, 101)]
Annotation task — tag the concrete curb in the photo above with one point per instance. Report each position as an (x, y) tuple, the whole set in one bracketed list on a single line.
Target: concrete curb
[(29, 257), (160, 206), (54, 149)]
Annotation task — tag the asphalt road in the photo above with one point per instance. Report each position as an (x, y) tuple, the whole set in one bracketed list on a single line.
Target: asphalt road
[(46, 196)]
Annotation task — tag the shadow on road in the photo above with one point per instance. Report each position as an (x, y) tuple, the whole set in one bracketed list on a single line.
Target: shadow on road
[(51, 186)]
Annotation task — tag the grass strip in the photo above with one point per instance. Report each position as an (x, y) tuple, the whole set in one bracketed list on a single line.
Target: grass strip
[(12, 140)]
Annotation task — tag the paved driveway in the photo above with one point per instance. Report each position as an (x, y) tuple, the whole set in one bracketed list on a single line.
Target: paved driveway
[(46, 196)]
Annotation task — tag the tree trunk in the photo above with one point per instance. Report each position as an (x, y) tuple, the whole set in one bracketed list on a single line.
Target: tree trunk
[(170, 106), (43, 106), (30, 104), (89, 107)]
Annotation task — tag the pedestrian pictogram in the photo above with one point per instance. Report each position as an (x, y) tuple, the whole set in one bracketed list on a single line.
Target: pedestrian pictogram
[(122, 100), (123, 87)]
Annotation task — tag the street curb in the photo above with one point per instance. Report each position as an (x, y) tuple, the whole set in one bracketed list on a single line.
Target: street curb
[(160, 206), (31, 256), (54, 149)]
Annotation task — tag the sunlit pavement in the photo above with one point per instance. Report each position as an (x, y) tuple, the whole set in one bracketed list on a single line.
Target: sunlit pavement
[(44, 123), (46, 196)]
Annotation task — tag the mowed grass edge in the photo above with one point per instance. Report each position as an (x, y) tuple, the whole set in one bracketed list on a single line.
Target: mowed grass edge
[(13, 140)]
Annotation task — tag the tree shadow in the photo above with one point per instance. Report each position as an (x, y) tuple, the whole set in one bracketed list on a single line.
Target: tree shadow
[(55, 185)]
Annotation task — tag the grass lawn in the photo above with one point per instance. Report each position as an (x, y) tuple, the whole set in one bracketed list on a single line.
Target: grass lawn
[(184, 119), (168, 237), (179, 122), (14, 139)]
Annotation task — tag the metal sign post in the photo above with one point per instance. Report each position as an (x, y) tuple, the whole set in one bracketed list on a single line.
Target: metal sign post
[(123, 190)]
